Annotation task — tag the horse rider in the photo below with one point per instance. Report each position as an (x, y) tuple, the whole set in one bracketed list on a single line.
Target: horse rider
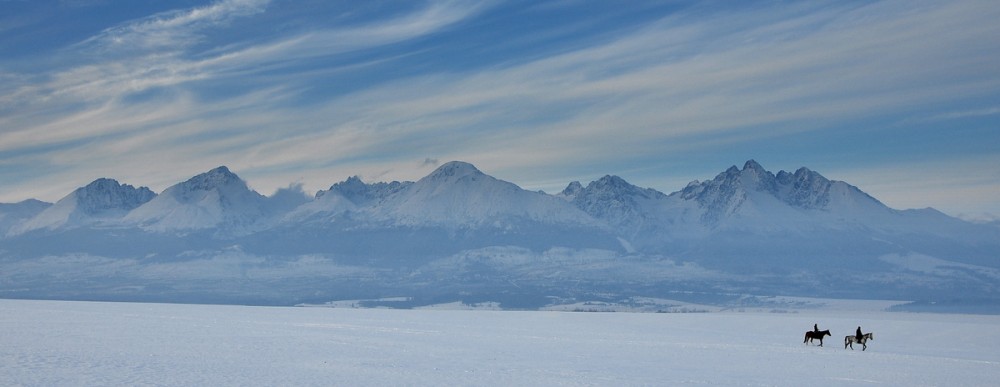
[(858, 335), (816, 328)]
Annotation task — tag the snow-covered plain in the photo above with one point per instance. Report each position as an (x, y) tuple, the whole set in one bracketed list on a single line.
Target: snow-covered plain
[(87, 343)]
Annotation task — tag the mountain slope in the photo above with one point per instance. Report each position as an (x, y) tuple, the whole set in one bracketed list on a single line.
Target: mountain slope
[(633, 213), (217, 199), (753, 198), (752, 221), (459, 195), (459, 232), (13, 214), (349, 195), (103, 201)]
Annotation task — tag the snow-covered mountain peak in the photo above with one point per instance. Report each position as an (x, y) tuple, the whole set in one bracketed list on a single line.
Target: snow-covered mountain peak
[(756, 196), (458, 195), (452, 171), (455, 179), (611, 182), (804, 171), (214, 199), (349, 195), (107, 194), (755, 177), (807, 189), (725, 184), (353, 186), (752, 177), (801, 175), (615, 186), (755, 193), (101, 201), (215, 178), (361, 193), (574, 188), (624, 207), (804, 189), (754, 166)]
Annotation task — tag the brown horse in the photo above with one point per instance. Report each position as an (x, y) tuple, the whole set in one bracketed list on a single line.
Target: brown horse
[(810, 335)]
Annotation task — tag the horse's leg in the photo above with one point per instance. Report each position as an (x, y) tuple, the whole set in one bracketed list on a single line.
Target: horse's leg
[(821, 341)]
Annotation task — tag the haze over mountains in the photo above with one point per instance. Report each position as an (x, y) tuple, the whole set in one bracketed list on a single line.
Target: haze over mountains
[(459, 234)]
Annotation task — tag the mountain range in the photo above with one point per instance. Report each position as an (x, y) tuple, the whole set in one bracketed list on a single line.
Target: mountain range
[(460, 234)]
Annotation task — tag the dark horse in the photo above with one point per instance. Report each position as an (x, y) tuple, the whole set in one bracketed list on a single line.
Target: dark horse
[(810, 335), (850, 340)]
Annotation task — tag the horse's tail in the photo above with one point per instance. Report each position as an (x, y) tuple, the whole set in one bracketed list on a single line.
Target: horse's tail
[(806, 338)]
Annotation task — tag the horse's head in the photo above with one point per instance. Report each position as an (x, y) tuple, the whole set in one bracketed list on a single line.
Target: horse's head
[(825, 333)]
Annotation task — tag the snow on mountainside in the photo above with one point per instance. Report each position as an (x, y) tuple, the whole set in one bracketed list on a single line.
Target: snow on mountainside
[(750, 199), (753, 219), (628, 209), (459, 195), (754, 200), (362, 194), (12, 214), (216, 199), (324, 207), (754, 197), (459, 232), (101, 202), (349, 195)]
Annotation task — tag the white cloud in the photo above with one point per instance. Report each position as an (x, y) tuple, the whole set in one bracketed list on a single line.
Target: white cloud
[(170, 30), (967, 114), (659, 84)]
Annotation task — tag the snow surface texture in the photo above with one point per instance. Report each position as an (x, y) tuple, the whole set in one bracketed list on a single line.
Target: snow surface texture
[(459, 234), (53, 343)]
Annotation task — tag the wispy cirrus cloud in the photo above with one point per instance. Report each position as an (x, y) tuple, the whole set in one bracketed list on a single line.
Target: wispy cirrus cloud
[(680, 86), (85, 109), (156, 51), (150, 54), (681, 77), (967, 113), (171, 30), (131, 57)]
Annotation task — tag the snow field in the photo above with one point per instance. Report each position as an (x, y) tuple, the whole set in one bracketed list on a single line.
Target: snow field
[(87, 343)]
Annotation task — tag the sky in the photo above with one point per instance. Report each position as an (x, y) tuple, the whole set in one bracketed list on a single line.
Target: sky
[(899, 98)]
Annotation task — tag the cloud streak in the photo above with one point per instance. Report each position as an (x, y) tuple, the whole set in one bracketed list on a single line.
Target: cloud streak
[(169, 31), (772, 77), (151, 54)]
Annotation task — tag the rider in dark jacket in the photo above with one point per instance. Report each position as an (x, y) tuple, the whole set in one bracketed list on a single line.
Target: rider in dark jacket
[(858, 335)]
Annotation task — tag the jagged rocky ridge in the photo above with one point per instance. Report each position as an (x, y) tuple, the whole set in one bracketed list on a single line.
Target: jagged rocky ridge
[(459, 232)]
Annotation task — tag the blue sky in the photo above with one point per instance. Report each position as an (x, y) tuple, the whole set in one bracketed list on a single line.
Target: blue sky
[(901, 98)]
